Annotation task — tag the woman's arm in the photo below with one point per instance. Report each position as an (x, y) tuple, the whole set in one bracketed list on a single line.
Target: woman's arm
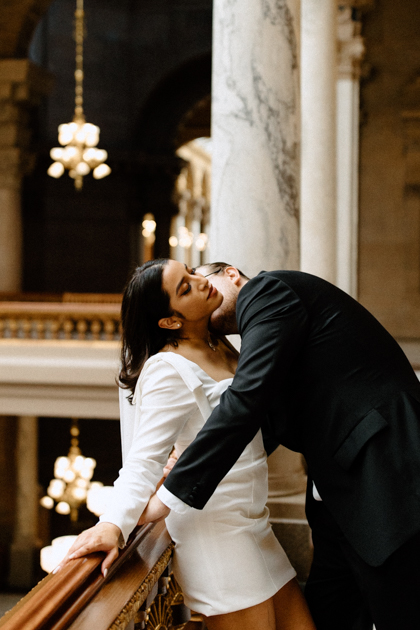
[(164, 404)]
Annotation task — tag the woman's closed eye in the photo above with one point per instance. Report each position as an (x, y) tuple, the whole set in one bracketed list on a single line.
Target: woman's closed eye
[(192, 273)]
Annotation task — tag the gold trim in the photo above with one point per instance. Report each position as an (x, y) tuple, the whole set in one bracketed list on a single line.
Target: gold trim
[(139, 597)]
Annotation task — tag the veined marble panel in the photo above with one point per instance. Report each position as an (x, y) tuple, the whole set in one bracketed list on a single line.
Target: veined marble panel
[(255, 131)]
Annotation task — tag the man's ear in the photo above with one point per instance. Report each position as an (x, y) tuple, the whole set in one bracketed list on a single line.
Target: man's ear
[(172, 323), (233, 275)]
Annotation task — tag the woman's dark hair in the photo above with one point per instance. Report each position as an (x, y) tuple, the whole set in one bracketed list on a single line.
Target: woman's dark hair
[(144, 303)]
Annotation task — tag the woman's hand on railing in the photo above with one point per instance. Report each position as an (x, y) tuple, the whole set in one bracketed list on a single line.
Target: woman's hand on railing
[(101, 537)]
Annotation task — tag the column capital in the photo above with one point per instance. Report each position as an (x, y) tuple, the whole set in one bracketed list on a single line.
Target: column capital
[(351, 48)]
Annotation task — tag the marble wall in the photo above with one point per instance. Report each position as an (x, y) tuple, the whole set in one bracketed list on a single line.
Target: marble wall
[(255, 131)]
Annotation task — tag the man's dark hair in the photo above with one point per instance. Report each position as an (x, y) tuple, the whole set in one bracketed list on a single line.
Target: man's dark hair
[(221, 266)]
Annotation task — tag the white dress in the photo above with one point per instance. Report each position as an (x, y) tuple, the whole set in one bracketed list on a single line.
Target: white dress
[(226, 556)]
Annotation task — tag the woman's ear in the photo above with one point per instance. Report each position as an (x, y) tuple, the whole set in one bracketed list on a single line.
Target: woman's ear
[(172, 323)]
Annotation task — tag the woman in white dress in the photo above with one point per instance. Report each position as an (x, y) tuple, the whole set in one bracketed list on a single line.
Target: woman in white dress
[(227, 560)]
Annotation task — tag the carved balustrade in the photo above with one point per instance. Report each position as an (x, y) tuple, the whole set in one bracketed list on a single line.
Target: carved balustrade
[(138, 593), (69, 316)]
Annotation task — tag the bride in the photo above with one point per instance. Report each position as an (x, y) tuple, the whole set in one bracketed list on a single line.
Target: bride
[(227, 560)]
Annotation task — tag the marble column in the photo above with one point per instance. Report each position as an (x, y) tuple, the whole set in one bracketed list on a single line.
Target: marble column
[(318, 174), (255, 155), (22, 84), (255, 134), (350, 53), (23, 553)]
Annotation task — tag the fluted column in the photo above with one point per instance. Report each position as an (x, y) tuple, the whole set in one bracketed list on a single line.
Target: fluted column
[(255, 164), (318, 177), (350, 53), (21, 87), (255, 132)]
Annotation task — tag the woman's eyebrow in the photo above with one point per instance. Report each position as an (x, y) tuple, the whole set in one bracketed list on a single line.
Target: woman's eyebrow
[(179, 285)]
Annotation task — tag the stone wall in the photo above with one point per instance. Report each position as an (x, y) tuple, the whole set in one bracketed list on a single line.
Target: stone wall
[(389, 246)]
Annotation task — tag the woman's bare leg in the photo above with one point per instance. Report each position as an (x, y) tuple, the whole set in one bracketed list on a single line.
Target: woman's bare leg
[(291, 609), (287, 610), (259, 617)]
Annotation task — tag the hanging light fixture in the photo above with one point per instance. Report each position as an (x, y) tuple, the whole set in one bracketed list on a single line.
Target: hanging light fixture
[(78, 152), (71, 483)]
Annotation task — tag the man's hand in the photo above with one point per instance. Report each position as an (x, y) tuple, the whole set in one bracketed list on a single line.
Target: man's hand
[(155, 511), (101, 537), (169, 465), (173, 458)]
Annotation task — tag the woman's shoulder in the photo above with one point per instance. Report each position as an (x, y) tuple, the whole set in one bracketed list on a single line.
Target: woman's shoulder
[(171, 364)]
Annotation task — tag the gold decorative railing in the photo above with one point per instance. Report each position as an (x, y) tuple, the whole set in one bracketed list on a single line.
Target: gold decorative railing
[(70, 316), (139, 592)]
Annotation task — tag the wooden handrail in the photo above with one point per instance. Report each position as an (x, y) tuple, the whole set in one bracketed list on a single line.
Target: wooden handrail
[(60, 601)]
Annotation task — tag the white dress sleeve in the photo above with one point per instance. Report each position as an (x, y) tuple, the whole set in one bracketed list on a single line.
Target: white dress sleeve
[(163, 405)]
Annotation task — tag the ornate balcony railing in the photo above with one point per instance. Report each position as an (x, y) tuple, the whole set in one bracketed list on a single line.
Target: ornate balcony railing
[(139, 592), (69, 316)]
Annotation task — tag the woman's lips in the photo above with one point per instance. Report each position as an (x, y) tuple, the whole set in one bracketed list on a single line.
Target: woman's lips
[(212, 291)]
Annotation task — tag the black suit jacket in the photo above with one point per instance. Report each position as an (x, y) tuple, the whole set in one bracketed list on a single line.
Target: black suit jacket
[(320, 375)]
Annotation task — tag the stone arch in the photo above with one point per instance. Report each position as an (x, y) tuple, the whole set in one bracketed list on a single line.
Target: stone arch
[(178, 110), (17, 24)]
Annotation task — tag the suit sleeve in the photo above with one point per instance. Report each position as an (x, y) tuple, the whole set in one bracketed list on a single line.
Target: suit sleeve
[(273, 323)]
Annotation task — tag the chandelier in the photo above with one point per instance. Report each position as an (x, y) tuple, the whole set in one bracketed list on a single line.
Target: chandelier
[(78, 153), (72, 479)]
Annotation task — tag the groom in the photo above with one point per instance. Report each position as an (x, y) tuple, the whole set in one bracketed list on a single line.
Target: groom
[(320, 375)]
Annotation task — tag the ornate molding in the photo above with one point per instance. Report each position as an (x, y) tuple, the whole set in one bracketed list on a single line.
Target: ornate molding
[(351, 48), (129, 611)]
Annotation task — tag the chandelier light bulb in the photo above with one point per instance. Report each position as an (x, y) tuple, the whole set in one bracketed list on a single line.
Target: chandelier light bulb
[(63, 507), (56, 153), (56, 488), (65, 134), (78, 463), (173, 241), (82, 168), (79, 494), (56, 170), (47, 502), (100, 155), (101, 171), (69, 476)]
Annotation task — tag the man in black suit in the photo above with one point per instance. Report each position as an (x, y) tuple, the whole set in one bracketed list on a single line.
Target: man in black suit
[(320, 375)]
